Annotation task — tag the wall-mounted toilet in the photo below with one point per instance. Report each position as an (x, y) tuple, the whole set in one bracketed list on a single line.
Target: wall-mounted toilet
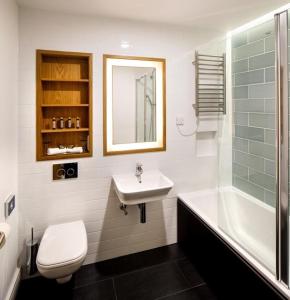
[(62, 250)]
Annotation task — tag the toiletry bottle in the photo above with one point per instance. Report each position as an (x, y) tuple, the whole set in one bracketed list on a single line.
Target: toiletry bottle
[(53, 123), (61, 123), (78, 123), (69, 123)]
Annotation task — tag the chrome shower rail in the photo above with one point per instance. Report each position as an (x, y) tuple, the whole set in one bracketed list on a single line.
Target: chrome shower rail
[(210, 84)]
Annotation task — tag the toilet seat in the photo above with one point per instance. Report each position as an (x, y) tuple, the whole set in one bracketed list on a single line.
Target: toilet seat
[(64, 264), (62, 249)]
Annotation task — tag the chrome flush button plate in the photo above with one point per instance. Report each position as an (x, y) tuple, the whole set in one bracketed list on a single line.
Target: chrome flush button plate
[(65, 171)]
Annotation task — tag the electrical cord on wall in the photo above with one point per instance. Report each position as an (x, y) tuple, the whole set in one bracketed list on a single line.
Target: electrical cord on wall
[(187, 134)]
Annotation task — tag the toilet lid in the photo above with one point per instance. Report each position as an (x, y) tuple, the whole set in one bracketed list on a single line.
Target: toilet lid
[(62, 244)]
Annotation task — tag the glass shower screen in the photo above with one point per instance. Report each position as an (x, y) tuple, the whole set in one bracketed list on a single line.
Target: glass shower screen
[(247, 193)]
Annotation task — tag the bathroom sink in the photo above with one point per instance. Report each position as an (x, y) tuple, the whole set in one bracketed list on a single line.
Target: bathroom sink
[(153, 186)]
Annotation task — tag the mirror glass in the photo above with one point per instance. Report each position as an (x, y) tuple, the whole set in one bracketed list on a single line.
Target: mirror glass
[(134, 98), (134, 104)]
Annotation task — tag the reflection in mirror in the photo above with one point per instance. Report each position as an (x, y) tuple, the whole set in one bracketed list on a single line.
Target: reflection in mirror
[(146, 107), (134, 105)]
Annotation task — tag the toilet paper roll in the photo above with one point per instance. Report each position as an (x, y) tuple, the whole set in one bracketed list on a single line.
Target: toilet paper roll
[(4, 233)]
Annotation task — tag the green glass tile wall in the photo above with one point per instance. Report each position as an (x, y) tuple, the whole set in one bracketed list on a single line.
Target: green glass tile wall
[(253, 60)]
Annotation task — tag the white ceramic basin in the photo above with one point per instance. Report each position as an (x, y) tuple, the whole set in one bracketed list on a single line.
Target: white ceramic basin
[(154, 186)]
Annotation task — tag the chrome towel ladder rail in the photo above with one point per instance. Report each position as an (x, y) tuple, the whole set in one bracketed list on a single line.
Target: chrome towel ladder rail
[(210, 84)]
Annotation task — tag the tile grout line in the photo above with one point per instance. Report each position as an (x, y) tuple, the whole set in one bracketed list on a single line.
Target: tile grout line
[(181, 291), (249, 153), (183, 275), (91, 283), (255, 69), (114, 287), (254, 41), (144, 268), (125, 273), (257, 185)]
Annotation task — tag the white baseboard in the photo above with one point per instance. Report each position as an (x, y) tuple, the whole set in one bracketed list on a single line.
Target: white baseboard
[(13, 287)]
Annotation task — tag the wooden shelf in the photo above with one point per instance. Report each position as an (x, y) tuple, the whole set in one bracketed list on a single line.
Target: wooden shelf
[(64, 156), (64, 80), (64, 130), (64, 90), (64, 105)]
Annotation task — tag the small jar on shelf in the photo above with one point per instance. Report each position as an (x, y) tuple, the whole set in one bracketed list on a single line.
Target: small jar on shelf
[(53, 123), (78, 122), (69, 122), (61, 123)]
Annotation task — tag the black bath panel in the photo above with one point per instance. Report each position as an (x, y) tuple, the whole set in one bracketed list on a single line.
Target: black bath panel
[(225, 271)]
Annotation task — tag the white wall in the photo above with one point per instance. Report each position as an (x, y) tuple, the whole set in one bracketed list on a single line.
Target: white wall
[(44, 202), (8, 135)]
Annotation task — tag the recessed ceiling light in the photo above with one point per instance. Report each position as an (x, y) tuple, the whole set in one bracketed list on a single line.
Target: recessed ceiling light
[(125, 45)]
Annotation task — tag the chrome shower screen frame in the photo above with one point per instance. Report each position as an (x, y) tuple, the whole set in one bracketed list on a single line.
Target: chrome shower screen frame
[(282, 200)]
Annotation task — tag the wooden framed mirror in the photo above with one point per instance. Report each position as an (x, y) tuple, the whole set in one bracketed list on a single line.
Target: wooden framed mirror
[(134, 104)]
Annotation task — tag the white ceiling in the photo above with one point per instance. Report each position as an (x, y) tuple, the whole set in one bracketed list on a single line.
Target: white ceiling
[(220, 15)]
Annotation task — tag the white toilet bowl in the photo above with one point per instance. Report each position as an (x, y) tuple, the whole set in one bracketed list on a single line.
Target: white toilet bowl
[(62, 250)]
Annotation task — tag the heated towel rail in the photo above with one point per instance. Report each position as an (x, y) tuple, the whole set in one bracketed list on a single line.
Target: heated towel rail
[(210, 84)]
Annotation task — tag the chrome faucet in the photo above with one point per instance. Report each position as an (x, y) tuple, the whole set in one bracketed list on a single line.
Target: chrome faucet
[(139, 172)]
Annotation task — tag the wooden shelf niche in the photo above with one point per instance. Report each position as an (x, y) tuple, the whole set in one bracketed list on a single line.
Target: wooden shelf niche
[(64, 89)]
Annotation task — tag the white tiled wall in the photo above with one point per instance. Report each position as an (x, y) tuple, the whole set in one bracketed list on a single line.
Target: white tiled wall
[(90, 197), (8, 136)]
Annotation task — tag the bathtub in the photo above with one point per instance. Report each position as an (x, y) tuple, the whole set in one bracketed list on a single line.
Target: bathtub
[(245, 223), (244, 218)]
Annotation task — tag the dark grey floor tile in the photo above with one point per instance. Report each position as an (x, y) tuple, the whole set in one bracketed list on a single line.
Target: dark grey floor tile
[(117, 266), (198, 293), (89, 274), (33, 287), (150, 283), (103, 290), (42, 288), (162, 254), (189, 271), (46, 289)]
